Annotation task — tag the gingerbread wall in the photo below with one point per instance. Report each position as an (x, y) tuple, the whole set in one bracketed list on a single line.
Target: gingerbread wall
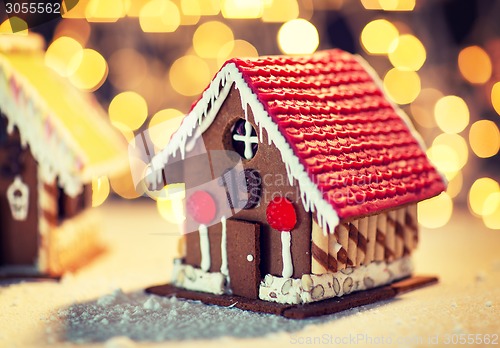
[(267, 160), (18, 238)]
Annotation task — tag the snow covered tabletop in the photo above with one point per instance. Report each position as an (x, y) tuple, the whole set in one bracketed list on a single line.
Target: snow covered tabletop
[(103, 305)]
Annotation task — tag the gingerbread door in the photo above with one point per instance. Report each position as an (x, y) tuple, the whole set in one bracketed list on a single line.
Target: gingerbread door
[(18, 201), (243, 257)]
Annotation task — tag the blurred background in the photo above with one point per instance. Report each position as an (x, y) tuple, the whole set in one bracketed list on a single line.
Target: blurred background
[(147, 61)]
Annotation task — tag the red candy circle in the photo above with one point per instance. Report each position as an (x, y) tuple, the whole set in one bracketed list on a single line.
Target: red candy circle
[(201, 207), (281, 215)]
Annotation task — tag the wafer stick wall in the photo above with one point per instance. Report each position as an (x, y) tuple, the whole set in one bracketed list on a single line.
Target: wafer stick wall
[(383, 237)]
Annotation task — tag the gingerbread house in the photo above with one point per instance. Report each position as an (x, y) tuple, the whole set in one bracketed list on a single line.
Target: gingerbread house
[(302, 181), (53, 140)]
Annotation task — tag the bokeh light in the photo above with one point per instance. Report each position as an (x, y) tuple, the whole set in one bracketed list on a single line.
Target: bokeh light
[(74, 9), (242, 8), (162, 125), (378, 35), (478, 194), (491, 211), (402, 86), (100, 190), (407, 53), (474, 64), (455, 185), (134, 7), (451, 114), (124, 186), (422, 107), (104, 10), (445, 159), (279, 11), (14, 25), (484, 138), (238, 48), (210, 37), (189, 75), (397, 5), (170, 205), (435, 212), (298, 36), (159, 16), (64, 55), (455, 142), (190, 12), (77, 29), (371, 4), (495, 97), (209, 7), (127, 69), (92, 71), (126, 132), (128, 109)]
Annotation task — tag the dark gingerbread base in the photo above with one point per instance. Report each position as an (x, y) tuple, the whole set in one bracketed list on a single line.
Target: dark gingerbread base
[(302, 311)]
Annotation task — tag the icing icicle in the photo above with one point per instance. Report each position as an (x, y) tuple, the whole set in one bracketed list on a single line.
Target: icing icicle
[(204, 248), (286, 244), (223, 248)]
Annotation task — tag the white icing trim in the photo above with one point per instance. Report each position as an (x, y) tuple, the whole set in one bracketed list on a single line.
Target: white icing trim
[(203, 114), (188, 277), (286, 253), (406, 119), (312, 288), (223, 248), (204, 248)]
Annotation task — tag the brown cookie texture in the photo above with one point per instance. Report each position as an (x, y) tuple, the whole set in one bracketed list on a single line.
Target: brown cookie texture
[(300, 311), (220, 300), (267, 161), (413, 283), (243, 256), (339, 304), (17, 248), (193, 253)]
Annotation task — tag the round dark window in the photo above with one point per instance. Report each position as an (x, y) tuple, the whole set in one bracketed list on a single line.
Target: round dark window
[(244, 139)]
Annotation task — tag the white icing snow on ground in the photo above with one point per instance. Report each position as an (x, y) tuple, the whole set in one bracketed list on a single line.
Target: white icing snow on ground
[(103, 305)]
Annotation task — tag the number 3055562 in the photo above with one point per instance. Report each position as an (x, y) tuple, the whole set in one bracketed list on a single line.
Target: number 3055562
[(32, 7)]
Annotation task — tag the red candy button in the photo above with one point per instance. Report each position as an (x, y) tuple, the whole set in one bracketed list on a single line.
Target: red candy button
[(281, 215), (201, 206)]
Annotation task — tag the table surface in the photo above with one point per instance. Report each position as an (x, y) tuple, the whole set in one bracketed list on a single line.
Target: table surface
[(104, 304)]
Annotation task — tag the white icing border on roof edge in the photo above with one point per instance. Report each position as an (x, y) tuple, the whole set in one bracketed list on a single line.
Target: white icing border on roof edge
[(312, 198), (406, 119)]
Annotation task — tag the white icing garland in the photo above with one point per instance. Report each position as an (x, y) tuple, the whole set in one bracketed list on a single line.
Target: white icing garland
[(313, 288), (223, 248), (204, 248), (286, 239)]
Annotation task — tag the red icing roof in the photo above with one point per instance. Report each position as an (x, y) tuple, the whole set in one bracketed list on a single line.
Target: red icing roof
[(352, 143)]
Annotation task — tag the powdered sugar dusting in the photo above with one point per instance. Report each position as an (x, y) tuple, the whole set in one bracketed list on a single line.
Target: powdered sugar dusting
[(141, 317), (103, 305)]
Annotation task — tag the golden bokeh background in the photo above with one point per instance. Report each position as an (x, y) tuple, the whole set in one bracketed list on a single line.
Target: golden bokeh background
[(148, 60)]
